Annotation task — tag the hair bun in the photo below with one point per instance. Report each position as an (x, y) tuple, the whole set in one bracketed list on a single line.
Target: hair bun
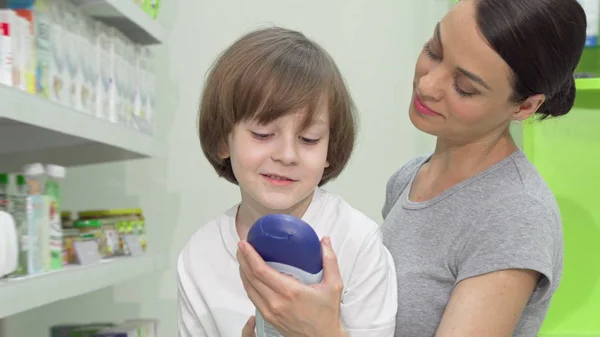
[(560, 103)]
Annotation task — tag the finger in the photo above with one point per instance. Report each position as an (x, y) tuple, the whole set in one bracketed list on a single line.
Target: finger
[(331, 269), (255, 297), (257, 269), (249, 276), (248, 330)]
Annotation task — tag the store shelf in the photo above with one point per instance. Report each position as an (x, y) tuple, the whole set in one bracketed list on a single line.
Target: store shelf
[(127, 17), (33, 129), (22, 294)]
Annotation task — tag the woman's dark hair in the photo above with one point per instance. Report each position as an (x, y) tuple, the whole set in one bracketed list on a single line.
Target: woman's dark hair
[(542, 41)]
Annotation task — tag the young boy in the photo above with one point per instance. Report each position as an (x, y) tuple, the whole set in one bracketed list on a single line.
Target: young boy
[(276, 119)]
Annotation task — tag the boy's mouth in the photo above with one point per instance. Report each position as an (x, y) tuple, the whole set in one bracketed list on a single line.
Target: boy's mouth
[(276, 177)]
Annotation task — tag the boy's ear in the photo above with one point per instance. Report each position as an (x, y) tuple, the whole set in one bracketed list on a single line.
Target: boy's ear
[(327, 164), (223, 151)]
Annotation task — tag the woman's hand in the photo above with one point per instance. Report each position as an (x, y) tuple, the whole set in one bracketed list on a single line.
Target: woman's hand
[(292, 308)]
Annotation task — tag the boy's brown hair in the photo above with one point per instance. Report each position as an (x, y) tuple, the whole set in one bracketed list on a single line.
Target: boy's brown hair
[(265, 75)]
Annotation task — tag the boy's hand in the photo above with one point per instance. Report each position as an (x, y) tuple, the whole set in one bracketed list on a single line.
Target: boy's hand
[(292, 308), (248, 330)]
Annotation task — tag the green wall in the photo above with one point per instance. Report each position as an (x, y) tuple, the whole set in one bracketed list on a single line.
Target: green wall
[(566, 151)]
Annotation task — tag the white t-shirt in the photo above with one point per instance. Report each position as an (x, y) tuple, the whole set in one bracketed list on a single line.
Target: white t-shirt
[(212, 299)]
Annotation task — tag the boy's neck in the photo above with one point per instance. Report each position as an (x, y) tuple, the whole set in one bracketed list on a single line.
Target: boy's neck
[(248, 212)]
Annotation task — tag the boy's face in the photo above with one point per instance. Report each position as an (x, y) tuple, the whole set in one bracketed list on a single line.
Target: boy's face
[(278, 165)]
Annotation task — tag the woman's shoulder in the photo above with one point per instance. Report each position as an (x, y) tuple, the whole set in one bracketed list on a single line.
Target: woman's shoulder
[(399, 180), (519, 185), (403, 175)]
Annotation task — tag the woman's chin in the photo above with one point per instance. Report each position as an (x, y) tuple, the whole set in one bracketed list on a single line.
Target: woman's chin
[(421, 123)]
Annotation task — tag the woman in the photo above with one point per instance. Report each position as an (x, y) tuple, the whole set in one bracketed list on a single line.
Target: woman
[(474, 230)]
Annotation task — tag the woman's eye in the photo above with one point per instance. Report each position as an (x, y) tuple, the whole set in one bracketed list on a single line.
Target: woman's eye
[(461, 92), (430, 53)]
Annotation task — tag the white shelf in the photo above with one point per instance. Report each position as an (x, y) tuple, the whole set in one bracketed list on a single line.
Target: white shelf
[(22, 294), (127, 17), (33, 129)]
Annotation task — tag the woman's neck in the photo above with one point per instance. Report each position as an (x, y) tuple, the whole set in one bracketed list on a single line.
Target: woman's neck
[(461, 161)]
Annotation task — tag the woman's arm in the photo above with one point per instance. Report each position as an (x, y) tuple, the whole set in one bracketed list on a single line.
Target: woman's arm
[(488, 305), (512, 258)]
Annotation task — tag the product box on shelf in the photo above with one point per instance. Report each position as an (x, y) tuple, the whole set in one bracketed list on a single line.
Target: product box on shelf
[(42, 30), (118, 68), (6, 53), (130, 82), (78, 330), (73, 66), (25, 33), (118, 232), (26, 37), (22, 33), (12, 48), (134, 328), (140, 88), (112, 93), (148, 326), (106, 83), (93, 66), (151, 90), (57, 68), (87, 59), (144, 89)]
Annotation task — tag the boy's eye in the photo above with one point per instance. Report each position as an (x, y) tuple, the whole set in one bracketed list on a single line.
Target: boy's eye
[(260, 135), (309, 140)]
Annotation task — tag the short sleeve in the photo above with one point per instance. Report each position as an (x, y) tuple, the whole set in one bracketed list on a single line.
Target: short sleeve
[(370, 302), (515, 233)]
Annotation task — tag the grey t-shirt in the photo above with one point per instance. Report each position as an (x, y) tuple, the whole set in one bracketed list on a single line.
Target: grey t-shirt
[(504, 217)]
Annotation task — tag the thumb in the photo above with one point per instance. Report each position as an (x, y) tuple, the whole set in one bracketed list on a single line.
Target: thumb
[(331, 269), (248, 330)]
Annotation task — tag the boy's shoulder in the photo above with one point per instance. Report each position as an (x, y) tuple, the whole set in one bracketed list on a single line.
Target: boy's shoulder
[(210, 234), (334, 215)]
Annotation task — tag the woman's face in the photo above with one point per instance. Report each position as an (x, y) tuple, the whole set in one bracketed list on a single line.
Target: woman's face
[(462, 87)]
